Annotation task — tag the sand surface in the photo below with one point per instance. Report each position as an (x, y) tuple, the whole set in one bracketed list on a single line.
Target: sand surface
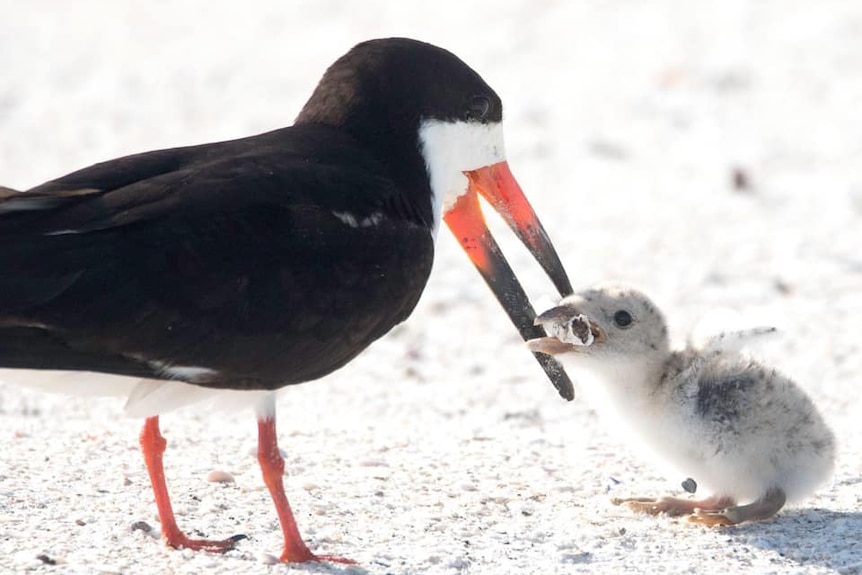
[(706, 152)]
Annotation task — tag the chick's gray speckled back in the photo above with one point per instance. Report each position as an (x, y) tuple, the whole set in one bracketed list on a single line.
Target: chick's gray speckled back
[(744, 410)]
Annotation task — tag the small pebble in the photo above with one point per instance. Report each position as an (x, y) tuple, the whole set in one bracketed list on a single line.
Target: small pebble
[(689, 485), (372, 463), (46, 560), (219, 476), (741, 179), (141, 526)]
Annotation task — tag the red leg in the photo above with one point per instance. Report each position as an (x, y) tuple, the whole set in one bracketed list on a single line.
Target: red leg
[(272, 466), (153, 446)]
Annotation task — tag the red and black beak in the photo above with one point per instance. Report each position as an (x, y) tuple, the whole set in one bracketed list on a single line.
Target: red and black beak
[(498, 186)]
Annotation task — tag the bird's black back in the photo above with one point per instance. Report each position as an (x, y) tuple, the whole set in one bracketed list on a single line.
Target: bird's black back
[(227, 256)]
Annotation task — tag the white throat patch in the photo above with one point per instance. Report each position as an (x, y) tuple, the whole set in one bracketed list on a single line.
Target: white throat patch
[(452, 148)]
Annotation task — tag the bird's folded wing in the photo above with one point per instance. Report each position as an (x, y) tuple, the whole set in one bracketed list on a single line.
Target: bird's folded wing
[(164, 254)]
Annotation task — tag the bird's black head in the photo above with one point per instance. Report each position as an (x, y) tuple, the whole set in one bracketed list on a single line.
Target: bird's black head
[(383, 91), (391, 83)]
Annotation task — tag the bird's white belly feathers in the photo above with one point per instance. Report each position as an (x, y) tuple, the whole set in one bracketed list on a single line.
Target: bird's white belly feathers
[(144, 397)]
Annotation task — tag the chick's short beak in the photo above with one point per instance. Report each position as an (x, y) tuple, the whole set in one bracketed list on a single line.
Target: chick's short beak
[(549, 346)]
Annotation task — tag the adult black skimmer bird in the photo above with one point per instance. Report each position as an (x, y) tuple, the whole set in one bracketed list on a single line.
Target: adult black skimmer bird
[(271, 260), (741, 429)]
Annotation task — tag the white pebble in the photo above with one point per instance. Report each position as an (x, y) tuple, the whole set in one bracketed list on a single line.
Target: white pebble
[(219, 476)]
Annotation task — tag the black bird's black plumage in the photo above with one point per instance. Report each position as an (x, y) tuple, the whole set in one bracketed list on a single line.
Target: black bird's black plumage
[(215, 256), (231, 256)]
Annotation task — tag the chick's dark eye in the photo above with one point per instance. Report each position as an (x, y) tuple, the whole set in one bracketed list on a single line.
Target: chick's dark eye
[(479, 108), (623, 318)]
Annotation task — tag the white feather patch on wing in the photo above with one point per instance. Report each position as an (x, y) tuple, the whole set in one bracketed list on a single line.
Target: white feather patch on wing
[(354, 222), (193, 374)]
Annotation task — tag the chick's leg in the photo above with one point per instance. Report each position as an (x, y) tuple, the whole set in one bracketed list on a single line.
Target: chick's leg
[(764, 508)]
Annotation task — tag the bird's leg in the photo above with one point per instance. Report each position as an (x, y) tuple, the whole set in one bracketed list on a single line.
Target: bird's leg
[(272, 466), (673, 506), (153, 446), (764, 508)]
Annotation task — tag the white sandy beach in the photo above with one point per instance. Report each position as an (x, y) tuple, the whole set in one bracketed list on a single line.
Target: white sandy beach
[(708, 152)]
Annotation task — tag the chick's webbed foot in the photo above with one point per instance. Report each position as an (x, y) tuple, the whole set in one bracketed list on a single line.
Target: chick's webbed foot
[(764, 508), (673, 506)]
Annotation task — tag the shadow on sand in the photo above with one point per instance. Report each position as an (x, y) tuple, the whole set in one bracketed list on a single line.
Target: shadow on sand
[(832, 539)]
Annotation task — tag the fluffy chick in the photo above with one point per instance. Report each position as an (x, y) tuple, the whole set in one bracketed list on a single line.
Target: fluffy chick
[(745, 432)]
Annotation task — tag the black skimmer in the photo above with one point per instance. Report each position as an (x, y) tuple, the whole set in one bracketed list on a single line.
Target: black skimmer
[(742, 430), (271, 260)]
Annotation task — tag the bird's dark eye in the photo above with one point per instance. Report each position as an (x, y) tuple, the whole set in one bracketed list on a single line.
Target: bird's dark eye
[(623, 318), (479, 108)]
